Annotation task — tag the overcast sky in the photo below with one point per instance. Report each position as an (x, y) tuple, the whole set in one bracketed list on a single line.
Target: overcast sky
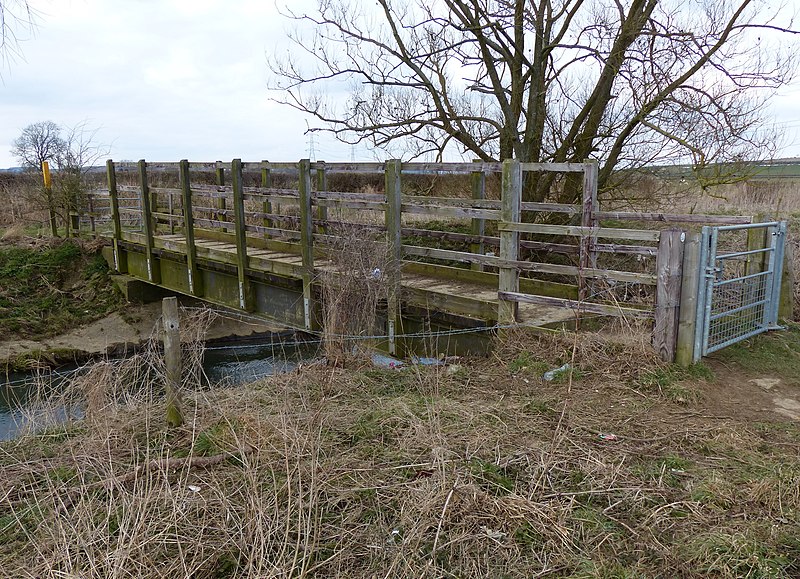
[(172, 79)]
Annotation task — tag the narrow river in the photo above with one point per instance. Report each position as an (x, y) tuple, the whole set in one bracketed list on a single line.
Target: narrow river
[(229, 364)]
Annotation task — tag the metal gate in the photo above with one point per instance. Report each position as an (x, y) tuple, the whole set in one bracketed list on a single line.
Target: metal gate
[(740, 282)]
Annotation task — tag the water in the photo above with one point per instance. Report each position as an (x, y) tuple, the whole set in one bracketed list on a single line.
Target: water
[(226, 364)]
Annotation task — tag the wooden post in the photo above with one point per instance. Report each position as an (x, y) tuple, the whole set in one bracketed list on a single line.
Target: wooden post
[(153, 269), (219, 174), (786, 304), (478, 226), (92, 224), (306, 237), (757, 238), (171, 210), (172, 360), (120, 257), (266, 183), (48, 192), (322, 185), (509, 240), (192, 271), (394, 241), (669, 264), (240, 230), (687, 315), (589, 208)]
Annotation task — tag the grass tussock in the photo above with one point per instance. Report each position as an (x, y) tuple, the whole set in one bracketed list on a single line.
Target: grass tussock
[(485, 471)]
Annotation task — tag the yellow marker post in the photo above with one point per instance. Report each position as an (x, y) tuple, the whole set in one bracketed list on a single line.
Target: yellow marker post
[(46, 174), (48, 191)]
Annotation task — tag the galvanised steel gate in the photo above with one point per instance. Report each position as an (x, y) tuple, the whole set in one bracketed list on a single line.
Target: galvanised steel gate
[(740, 282)]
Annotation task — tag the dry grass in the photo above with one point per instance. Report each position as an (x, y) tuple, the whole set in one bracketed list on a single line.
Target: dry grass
[(482, 470)]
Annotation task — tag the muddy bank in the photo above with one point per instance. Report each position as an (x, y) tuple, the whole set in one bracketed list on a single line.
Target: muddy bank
[(121, 331)]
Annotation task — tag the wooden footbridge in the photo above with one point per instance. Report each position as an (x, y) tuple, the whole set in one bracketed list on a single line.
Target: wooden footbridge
[(258, 237)]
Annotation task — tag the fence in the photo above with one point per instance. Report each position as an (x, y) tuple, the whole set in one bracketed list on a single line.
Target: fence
[(490, 234)]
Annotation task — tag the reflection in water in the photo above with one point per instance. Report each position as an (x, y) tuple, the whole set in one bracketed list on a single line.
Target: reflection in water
[(229, 365)]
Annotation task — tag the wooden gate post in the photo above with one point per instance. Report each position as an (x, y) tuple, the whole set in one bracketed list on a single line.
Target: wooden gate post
[(394, 240), (511, 211), (172, 360), (669, 264), (687, 316), (306, 237)]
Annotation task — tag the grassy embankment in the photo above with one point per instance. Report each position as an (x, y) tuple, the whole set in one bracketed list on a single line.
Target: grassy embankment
[(626, 468), (50, 287)]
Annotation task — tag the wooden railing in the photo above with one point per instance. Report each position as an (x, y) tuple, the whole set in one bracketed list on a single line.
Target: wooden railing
[(295, 217)]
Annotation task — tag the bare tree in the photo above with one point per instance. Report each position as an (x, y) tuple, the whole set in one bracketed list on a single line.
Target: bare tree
[(631, 83), (72, 151), (39, 142)]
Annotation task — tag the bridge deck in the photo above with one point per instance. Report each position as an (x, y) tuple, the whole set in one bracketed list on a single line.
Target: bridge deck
[(457, 297)]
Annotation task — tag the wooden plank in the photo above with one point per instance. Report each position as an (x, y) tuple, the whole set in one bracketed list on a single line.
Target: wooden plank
[(478, 226), (120, 257), (576, 305), (450, 168), (457, 212), (153, 270), (553, 167), (576, 231), (676, 217), (394, 225), (306, 237), (669, 265), (246, 301), (549, 268), (489, 279), (352, 204), (551, 207), (508, 279), (645, 250), (687, 315), (192, 271)]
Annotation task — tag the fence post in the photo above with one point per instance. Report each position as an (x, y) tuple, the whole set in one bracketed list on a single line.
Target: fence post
[(192, 271), (478, 226), (322, 185), (120, 257), (394, 241), (687, 315), (153, 268), (48, 192), (219, 177), (266, 183), (240, 232), (172, 360), (92, 224), (669, 263), (786, 304), (306, 237), (511, 197), (589, 208)]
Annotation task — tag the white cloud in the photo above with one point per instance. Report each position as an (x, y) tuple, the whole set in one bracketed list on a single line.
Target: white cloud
[(164, 80)]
